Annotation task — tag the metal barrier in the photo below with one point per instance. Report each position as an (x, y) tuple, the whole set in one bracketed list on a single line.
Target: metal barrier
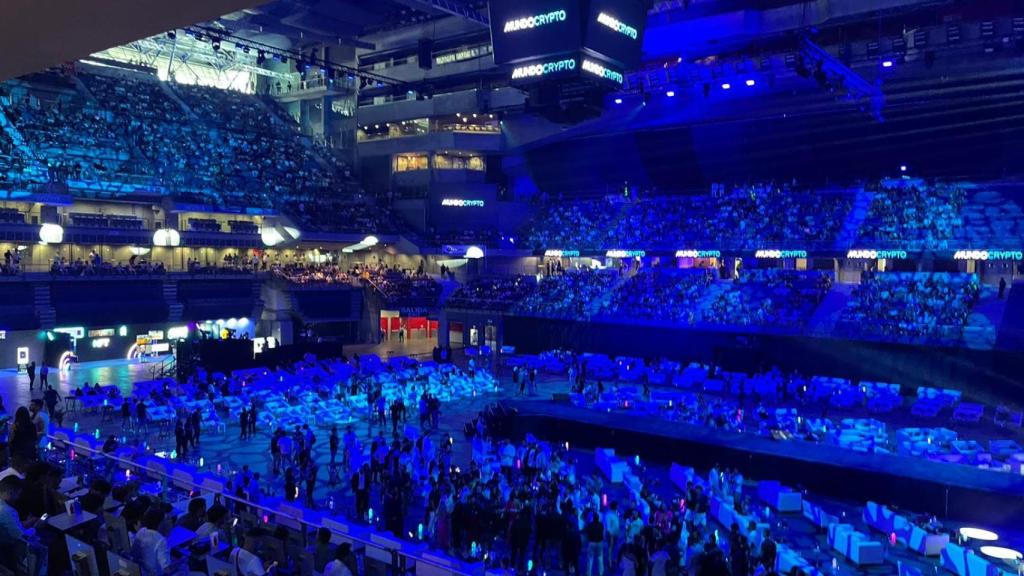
[(380, 546)]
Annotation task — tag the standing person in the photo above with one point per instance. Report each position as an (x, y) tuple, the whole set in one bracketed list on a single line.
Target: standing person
[(275, 451), (44, 371), (595, 544), (533, 381), (243, 424), (290, 488), (180, 440), (24, 436), (41, 421), (252, 421), (1002, 288), (141, 417), (51, 398), (31, 369), (361, 486), (335, 442), (311, 473), (196, 421)]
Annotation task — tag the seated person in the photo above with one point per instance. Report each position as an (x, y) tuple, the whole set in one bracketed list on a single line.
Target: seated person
[(195, 516), (149, 547), (244, 558)]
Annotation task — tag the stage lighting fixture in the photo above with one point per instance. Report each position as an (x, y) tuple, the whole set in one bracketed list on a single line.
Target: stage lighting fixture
[(245, 49), (726, 86), (670, 93), (618, 100), (886, 63), (216, 45), (903, 167), (172, 34), (751, 82), (261, 57)]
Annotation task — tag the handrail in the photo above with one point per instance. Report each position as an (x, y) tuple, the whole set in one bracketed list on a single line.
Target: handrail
[(453, 568)]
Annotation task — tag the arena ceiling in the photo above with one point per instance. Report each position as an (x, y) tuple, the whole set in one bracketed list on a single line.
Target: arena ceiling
[(37, 34)]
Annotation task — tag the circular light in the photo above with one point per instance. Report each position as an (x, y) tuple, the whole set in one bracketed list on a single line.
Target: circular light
[(978, 534), (51, 233), (618, 100), (166, 237), (371, 241), (670, 93), (751, 82), (474, 252), (1000, 553), (726, 86)]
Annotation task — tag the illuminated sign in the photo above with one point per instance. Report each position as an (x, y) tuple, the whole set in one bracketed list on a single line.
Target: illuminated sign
[(160, 347), (988, 255), (453, 57), (535, 21), (625, 253), (601, 71), (780, 254), (876, 254), (543, 69), (460, 203), (177, 333), (614, 24), (22, 355), (156, 334), (562, 253), (76, 332), (698, 254), (3, 334), (104, 333), (100, 343)]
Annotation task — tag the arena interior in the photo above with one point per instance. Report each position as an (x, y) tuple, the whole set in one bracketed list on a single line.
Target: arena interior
[(512, 288)]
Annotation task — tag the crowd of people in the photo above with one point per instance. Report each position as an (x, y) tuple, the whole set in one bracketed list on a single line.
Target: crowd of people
[(572, 294), (402, 287), (769, 297), (303, 273), (231, 151), (665, 294), (492, 292), (912, 215), (932, 307), (95, 265), (741, 217)]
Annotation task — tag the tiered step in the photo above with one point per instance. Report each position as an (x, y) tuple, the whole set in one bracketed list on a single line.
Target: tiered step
[(175, 309), (44, 306)]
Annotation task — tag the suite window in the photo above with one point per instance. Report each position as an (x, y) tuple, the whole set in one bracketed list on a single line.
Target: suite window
[(459, 161), (410, 162)]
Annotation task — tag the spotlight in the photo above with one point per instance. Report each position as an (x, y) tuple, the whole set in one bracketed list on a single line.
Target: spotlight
[(172, 34), (245, 49), (751, 82), (671, 93), (887, 64), (618, 100), (216, 45), (903, 167), (726, 86)]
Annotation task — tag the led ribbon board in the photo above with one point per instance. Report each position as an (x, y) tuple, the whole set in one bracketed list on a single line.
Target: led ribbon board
[(780, 254), (620, 27), (562, 253), (877, 254), (535, 21), (698, 254), (625, 253), (602, 71), (989, 255), (543, 69), (460, 203)]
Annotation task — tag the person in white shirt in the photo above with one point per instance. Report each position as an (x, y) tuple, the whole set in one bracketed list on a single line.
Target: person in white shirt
[(149, 547), (245, 560), (339, 566)]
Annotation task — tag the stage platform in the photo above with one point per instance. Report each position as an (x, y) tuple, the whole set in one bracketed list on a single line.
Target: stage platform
[(949, 491)]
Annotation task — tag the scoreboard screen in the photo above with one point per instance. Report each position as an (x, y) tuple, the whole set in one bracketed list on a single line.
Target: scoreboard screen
[(615, 29), (551, 38), (532, 29)]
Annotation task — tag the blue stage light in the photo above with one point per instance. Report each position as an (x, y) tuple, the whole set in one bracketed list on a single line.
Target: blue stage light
[(618, 100), (726, 86), (670, 93), (887, 64), (751, 82)]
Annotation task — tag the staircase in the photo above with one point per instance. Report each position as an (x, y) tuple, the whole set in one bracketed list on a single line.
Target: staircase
[(167, 367), (84, 90), (44, 306), (35, 168), (448, 287), (983, 323), (1010, 333), (823, 321), (861, 205), (175, 309), (166, 87)]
